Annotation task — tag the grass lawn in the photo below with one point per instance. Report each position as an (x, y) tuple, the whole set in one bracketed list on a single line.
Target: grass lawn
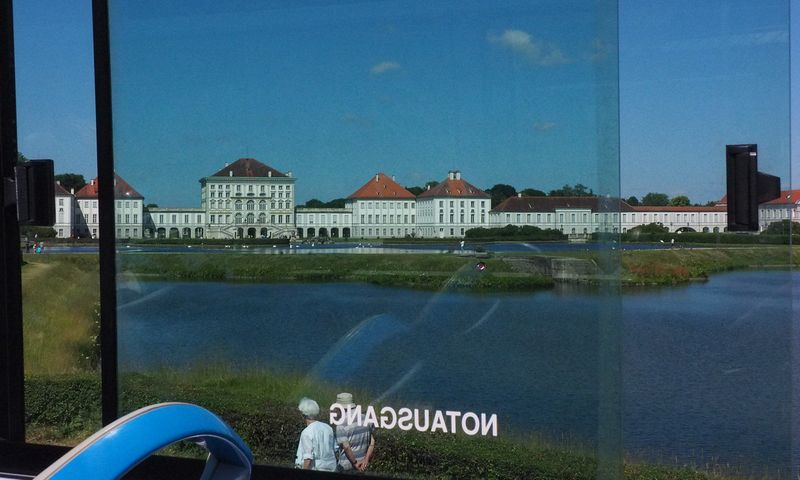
[(60, 303), (261, 406)]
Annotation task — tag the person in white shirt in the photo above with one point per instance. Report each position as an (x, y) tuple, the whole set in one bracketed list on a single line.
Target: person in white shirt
[(317, 447)]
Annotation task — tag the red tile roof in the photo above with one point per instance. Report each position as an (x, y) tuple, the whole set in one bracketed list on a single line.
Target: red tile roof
[(248, 167), (381, 186), (788, 197), (121, 189), (451, 187), (550, 204), (61, 191)]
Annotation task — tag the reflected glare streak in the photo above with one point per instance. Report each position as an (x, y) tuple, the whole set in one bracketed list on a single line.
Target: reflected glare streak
[(399, 384), (483, 319)]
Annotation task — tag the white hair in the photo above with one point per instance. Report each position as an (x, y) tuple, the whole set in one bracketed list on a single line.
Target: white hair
[(309, 408)]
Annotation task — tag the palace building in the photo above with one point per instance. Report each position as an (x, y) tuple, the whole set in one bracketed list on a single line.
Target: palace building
[(248, 199), (382, 208), (582, 216), (65, 206), (785, 207), (452, 207), (129, 210)]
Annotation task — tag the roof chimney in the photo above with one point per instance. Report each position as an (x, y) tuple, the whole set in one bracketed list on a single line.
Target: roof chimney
[(92, 182), (429, 186), (72, 191), (226, 164), (269, 173), (58, 182), (393, 179), (377, 177), (289, 173), (519, 194), (451, 175), (230, 173), (458, 175)]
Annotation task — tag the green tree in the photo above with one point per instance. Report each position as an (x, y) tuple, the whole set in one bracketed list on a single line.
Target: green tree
[(655, 199), (650, 228), (782, 228), (21, 158), (532, 192), (632, 201), (418, 190), (336, 203), (315, 203), (151, 205), (582, 190), (579, 190), (71, 180), (680, 201), (500, 192), (565, 191)]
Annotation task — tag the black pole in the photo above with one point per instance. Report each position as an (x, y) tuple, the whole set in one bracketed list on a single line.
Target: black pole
[(12, 397), (105, 176)]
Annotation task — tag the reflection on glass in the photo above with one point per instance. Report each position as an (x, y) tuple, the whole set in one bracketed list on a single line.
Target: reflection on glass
[(423, 206)]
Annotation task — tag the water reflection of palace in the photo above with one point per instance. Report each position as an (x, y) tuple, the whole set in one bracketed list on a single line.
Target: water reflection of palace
[(248, 199)]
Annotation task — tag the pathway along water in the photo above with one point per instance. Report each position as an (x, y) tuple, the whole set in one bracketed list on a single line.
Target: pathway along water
[(707, 368)]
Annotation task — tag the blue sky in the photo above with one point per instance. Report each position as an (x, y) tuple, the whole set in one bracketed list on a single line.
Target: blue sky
[(516, 94)]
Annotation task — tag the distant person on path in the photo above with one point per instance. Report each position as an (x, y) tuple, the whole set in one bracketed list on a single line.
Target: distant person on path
[(356, 441), (316, 449)]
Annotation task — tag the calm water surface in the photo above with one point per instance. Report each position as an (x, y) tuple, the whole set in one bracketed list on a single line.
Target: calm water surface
[(706, 368)]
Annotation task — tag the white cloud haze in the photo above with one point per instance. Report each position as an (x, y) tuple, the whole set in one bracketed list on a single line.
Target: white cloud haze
[(535, 51), (384, 67)]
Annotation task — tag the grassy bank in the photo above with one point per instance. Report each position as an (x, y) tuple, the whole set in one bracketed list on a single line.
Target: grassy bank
[(261, 406), (665, 267), (722, 238), (60, 304), (424, 271)]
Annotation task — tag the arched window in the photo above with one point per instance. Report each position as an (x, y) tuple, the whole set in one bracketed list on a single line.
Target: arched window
[(227, 204), (238, 204), (213, 203), (250, 218), (251, 205), (262, 205), (280, 204), (272, 204), (238, 218), (262, 218)]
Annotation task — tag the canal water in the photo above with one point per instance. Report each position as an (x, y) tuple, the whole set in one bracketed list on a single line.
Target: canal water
[(706, 369)]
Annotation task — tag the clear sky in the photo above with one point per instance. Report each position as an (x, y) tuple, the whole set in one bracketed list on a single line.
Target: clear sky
[(335, 92)]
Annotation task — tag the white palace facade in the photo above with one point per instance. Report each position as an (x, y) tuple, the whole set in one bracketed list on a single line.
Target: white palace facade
[(248, 199)]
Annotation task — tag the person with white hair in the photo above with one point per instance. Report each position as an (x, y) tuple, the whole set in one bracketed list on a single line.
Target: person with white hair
[(317, 447)]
